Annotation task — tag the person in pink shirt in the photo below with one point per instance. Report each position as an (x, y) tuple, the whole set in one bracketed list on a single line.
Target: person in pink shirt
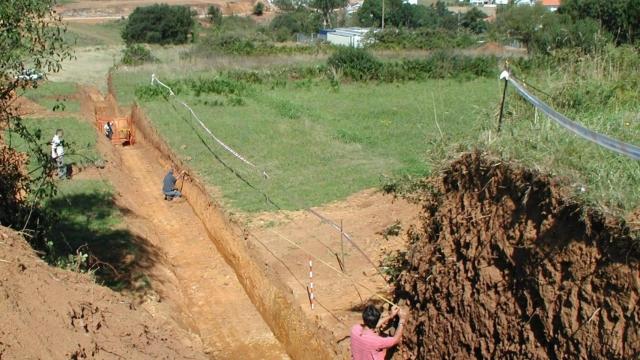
[(366, 342)]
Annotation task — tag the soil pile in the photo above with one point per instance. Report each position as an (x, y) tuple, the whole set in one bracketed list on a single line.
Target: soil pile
[(506, 266), (50, 313)]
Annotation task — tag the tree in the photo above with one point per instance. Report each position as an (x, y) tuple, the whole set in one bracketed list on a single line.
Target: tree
[(31, 37), (543, 31), (214, 14), (258, 10), (620, 17), (474, 21), (159, 24), (326, 7)]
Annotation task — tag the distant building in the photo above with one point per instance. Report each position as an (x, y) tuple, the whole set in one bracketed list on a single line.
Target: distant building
[(352, 36), (552, 5)]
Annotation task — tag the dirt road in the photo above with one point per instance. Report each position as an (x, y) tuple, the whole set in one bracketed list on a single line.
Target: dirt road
[(226, 319)]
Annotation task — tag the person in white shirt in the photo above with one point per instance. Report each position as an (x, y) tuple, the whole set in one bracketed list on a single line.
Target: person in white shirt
[(57, 153)]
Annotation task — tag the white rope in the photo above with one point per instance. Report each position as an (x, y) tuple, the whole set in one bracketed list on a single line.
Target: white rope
[(155, 80)]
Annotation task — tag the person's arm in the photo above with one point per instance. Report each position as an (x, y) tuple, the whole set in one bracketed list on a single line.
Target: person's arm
[(387, 342), (384, 321)]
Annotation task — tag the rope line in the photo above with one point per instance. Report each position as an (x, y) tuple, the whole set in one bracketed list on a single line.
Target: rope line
[(154, 80), (322, 218), (337, 271), (605, 141)]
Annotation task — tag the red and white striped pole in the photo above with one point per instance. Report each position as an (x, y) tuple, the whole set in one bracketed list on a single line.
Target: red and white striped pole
[(311, 289)]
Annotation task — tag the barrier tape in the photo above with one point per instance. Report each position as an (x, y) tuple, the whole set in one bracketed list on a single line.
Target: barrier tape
[(339, 272), (605, 141), (154, 80)]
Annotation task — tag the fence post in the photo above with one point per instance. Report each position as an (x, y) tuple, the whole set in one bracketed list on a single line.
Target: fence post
[(505, 76)]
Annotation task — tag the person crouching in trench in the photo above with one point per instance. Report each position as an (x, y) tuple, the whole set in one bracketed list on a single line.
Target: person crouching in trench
[(366, 341), (169, 185)]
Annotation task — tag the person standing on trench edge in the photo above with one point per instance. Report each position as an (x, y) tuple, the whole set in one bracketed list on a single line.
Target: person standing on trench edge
[(366, 342), (57, 153), (169, 186)]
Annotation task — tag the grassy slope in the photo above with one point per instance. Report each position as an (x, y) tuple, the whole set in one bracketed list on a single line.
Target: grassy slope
[(50, 94), (80, 137), (101, 34), (319, 145)]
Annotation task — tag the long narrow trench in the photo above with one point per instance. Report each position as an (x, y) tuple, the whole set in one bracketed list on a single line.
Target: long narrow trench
[(226, 319)]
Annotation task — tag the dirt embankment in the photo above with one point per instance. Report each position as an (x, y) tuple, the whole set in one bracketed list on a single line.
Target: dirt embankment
[(506, 266), (300, 336), (50, 313)]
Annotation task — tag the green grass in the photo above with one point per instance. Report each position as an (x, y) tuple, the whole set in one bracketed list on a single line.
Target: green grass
[(50, 94), (100, 34), (316, 144), (80, 138)]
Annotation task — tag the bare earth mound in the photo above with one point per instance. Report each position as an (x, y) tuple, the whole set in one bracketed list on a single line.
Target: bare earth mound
[(505, 266), (50, 313)]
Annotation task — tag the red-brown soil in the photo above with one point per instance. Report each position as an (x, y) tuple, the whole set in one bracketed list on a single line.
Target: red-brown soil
[(88, 10), (201, 289), (504, 265), (365, 215), (50, 313)]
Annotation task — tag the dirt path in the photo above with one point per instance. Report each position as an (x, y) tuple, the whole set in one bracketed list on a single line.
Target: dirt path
[(225, 318)]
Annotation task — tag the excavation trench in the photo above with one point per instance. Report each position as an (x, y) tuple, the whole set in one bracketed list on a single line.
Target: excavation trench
[(237, 307)]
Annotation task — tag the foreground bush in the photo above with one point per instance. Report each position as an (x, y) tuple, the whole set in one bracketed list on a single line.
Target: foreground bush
[(357, 64), (159, 24)]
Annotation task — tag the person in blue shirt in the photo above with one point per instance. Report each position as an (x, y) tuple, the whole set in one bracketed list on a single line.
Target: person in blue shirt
[(169, 186)]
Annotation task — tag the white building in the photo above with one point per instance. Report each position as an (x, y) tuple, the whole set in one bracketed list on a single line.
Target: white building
[(352, 36)]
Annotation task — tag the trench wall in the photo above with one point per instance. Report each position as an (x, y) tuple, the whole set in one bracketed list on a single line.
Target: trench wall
[(301, 337)]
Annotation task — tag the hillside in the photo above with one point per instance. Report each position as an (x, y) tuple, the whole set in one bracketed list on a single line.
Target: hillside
[(50, 313)]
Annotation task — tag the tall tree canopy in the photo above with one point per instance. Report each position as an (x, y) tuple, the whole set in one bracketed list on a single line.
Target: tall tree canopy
[(620, 17)]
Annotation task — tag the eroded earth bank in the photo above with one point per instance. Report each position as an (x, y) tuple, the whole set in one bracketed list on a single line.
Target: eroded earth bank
[(505, 265)]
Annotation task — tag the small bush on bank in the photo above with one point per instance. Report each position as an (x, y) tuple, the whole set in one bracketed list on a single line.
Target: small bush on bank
[(159, 24), (137, 54), (258, 10), (214, 14)]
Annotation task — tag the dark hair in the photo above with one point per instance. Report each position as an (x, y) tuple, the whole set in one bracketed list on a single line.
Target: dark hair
[(370, 316)]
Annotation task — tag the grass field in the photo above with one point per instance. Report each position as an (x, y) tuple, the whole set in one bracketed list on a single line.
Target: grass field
[(80, 138), (50, 94), (319, 145)]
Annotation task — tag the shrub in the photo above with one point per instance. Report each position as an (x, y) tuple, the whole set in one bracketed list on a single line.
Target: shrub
[(358, 64), (258, 10), (421, 38), (136, 54), (287, 24), (159, 24), (214, 14)]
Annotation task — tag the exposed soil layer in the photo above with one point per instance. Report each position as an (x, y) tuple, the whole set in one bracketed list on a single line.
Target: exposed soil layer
[(300, 337), (504, 265), (50, 313), (191, 274)]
